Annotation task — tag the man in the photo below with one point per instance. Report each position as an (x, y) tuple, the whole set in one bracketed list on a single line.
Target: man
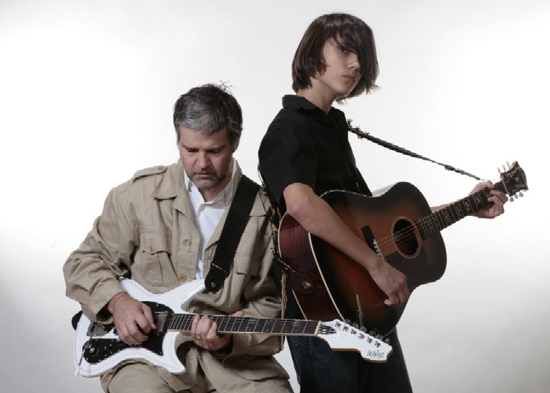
[(162, 229)]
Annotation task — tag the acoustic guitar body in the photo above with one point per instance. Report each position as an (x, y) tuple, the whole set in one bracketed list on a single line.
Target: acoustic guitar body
[(335, 286)]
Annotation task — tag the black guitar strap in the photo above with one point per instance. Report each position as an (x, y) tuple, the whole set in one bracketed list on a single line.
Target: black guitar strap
[(232, 231)]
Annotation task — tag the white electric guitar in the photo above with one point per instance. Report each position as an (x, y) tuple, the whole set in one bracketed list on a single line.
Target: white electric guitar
[(98, 348)]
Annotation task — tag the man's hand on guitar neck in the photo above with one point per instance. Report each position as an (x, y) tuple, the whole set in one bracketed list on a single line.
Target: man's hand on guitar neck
[(205, 333), (133, 319), (318, 218)]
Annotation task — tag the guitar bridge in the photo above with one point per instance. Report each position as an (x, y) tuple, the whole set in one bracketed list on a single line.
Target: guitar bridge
[(97, 330), (371, 241), (377, 249)]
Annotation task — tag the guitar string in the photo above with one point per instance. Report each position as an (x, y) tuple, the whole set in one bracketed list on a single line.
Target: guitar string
[(435, 222), (184, 322), (407, 236)]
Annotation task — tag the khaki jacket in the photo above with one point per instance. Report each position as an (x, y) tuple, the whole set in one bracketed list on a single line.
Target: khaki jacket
[(147, 231)]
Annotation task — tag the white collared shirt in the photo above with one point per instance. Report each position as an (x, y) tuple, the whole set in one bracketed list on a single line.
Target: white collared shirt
[(208, 214)]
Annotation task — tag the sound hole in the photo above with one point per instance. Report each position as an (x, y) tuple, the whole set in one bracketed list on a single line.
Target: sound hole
[(405, 237)]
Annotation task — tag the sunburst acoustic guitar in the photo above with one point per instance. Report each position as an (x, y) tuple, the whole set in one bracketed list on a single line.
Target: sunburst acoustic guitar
[(400, 227)]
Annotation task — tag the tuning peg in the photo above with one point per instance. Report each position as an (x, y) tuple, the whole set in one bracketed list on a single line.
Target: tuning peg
[(520, 194)]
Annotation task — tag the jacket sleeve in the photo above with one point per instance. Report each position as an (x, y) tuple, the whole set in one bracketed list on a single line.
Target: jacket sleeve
[(260, 296), (92, 271), (262, 300)]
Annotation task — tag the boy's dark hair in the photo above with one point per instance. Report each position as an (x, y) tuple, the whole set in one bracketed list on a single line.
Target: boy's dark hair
[(350, 32), (209, 108)]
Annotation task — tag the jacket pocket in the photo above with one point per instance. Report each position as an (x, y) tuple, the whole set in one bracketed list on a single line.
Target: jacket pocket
[(246, 264), (153, 262)]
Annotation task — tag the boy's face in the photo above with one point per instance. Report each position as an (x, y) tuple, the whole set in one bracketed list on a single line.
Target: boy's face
[(342, 72)]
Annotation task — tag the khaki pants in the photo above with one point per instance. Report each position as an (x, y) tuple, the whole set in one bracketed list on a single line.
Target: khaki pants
[(139, 377), (142, 378)]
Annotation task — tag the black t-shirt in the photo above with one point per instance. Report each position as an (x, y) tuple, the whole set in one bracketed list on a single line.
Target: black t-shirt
[(306, 145)]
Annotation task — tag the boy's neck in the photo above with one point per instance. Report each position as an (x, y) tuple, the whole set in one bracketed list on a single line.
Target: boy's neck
[(319, 100)]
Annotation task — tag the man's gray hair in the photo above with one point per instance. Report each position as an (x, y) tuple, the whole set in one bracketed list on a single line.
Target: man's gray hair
[(209, 109)]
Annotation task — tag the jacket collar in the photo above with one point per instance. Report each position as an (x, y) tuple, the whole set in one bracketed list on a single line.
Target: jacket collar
[(172, 186)]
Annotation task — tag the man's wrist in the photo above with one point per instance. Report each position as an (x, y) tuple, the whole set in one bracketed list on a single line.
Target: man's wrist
[(114, 300)]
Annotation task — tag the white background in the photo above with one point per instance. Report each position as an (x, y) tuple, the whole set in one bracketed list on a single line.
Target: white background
[(86, 96)]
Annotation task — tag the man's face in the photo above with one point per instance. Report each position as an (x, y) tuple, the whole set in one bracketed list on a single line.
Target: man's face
[(207, 159)]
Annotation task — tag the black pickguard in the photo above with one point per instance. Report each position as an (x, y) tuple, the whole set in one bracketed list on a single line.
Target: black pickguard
[(98, 349)]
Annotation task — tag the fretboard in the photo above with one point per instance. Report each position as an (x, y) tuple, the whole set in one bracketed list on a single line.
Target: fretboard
[(232, 325), (434, 223)]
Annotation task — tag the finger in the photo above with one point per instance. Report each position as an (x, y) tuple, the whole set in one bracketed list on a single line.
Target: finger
[(143, 324), (136, 333), (204, 326), (500, 196), (194, 332), (212, 333), (149, 315), (127, 335)]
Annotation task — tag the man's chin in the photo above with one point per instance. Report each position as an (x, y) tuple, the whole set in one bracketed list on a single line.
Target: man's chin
[(205, 182)]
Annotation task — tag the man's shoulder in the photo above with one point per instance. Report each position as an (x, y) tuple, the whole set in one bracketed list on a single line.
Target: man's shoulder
[(148, 176), (151, 171)]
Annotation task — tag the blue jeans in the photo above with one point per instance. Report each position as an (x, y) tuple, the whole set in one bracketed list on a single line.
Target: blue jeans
[(319, 369)]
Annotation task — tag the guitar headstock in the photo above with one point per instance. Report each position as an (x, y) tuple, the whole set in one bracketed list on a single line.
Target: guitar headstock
[(513, 181), (342, 336)]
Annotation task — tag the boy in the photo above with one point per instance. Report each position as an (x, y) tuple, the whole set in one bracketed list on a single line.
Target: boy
[(305, 153)]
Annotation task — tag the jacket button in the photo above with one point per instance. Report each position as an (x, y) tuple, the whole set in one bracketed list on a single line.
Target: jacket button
[(187, 242), (182, 277)]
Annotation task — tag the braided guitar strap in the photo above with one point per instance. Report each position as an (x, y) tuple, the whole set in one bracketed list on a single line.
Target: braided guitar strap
[(391, 146)]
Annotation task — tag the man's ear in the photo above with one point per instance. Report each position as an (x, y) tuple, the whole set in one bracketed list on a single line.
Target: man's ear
[(235, 146)]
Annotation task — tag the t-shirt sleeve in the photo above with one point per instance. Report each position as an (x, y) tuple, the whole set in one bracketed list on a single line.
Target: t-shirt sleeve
[(287, 156)]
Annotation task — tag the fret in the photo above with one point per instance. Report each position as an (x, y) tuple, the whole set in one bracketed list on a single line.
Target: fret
[(232, 324), (260, 324), (269, 326), (237, 325), (250, 325), (434, 223), (225, 323)]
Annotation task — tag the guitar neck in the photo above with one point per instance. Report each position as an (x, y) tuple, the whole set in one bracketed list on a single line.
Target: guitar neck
[(434, 223), (228, 324)]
